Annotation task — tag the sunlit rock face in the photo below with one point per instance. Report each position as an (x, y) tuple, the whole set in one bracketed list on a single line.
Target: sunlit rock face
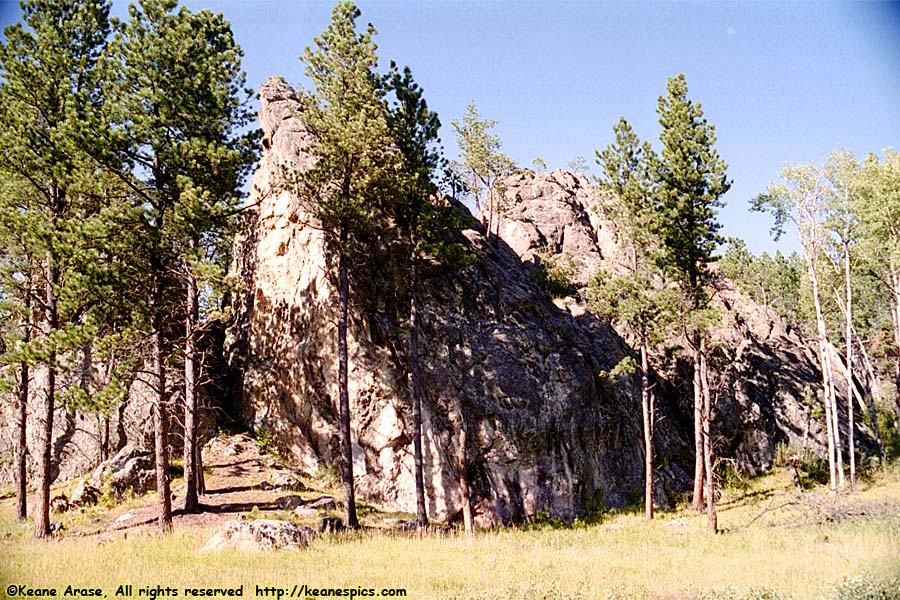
[(499, 360), (764, 376)]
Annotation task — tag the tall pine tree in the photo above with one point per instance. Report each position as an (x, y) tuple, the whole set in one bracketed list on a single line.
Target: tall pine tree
[(346, 116), (50, 113), (692, 179)]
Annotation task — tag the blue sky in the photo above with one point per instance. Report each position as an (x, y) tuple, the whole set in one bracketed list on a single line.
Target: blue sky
[(780, 81)]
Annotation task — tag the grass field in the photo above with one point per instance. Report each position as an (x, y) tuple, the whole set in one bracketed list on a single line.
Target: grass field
[(775, 544)]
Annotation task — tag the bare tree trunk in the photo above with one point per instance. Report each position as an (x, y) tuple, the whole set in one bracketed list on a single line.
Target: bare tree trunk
[(697, 502), (874, 395), (350, 516), (848, 317), (191, 450), (895, 317), (50, 323), (648, 416), (711, 517), (835, 414), (827, 386), (416, 391), (104, 439), (22, 423), (160, 414)]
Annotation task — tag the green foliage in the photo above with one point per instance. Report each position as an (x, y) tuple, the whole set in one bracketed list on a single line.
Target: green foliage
[(692, 179), (347, 118), (482, 160), (553, 274)]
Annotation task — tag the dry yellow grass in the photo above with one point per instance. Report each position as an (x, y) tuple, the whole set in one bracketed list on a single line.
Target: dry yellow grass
[(624, 557)]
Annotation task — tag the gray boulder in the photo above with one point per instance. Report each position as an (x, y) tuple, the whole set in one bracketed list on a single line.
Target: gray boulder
[(85, 494), (132, 471), (262, 534)]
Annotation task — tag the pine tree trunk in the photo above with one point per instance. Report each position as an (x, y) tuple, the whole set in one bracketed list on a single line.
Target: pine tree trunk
[(463, 461), (191, 501), (22, 423), (416, 392), (42, 518), (160, 414), (849, 334), (647, 410), (711, 517), (697, 502), (350, 517), (104, 439)]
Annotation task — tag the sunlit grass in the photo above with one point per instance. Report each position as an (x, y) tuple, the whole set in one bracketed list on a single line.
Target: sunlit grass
[(624, 556)]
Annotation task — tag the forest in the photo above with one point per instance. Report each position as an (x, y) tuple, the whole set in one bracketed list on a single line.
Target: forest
[(126, 150)]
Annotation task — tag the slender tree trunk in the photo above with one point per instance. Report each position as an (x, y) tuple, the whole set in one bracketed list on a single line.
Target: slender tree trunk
[(874, 395), (350, 516), (822, 341), (698, 428), (463, 461), (160, 414), (835, 414), (849, 333), (711, 517), (648, 416), (104, 439), (191, 501), (416, 392), (42, 518), (895, 317), (22, 424)]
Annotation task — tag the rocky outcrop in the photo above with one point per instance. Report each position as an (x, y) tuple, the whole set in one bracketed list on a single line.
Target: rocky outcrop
[(131, 471), (763, 374), (262, 534), (520, 375)]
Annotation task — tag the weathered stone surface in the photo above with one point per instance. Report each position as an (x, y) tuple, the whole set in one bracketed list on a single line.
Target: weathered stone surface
[(261, 534), (324, 503), (498, 359), (85, 494), (288, 502), (130, 471), (59, 504), (760, 370)]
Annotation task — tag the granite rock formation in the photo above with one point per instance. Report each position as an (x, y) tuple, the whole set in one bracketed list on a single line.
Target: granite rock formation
[(545, 432)]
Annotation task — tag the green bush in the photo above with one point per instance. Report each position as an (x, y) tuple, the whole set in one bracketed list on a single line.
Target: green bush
[(868, 588)]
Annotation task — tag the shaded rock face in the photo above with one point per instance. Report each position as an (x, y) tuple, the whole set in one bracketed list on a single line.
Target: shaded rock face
[(499, 361), (760, 371)]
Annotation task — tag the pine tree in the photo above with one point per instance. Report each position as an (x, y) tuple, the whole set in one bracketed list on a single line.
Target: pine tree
[(635, 297), (180, 103), (49, 102), (692, 179), (346, 116), (484, 163)]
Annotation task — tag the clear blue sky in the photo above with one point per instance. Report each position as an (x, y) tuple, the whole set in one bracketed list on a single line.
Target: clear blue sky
[(780, 81)]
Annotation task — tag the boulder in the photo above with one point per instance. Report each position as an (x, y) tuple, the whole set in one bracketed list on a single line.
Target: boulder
[(59, 504), (260, 534), (289, 502), (132, 471), (324, 503), (85, 494)]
